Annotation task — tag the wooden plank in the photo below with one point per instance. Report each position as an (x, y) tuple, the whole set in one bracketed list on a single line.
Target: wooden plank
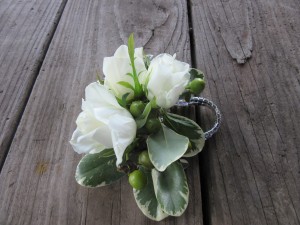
[(37, 184), (26, 28), (251, 172)]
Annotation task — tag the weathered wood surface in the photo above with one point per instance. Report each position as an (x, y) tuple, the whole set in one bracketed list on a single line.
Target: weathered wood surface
[(37, 183), (251, 171), (250, 53), (26, 29)]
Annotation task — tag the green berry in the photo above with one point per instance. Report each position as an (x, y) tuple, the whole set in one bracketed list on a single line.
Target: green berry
[(137, 108), (137, 179), (152, 125), (145, 160), (197, 86)]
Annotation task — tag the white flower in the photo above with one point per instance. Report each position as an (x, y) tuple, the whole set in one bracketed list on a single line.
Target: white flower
[(103, 123), (115, 69), (168, 79)]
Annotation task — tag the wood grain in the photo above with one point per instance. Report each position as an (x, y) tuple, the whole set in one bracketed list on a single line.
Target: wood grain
[(26, 29), (250, 169), (37, 184)]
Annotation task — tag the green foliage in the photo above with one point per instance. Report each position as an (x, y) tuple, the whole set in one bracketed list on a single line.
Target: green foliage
[(99, 79), (138, 90), (146, 200), (131, 47), (195, 73), (123, 102), (188, 128), (140, 121), (171, 189), (99, 169), (165, 147), (126, 84), (147, 61)]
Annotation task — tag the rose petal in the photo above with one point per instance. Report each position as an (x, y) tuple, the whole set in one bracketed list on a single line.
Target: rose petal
[(168, 78), (123, 133), (103, 124), (84, 143)]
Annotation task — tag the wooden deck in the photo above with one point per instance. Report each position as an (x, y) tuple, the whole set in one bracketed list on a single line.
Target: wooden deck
[(248, 173)]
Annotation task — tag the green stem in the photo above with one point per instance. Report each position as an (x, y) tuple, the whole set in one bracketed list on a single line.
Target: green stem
[(138, 90)]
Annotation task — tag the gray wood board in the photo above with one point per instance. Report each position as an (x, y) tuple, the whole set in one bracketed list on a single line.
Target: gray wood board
[(37, 184), (250, 169), (26, 29)]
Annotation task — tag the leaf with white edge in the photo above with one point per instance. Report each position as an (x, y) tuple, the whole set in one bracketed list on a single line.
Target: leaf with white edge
[(171, 189), (188, 128), (184, 163), (97, 170), (195, 73), (165, 147), (140, 122), (146, 200)]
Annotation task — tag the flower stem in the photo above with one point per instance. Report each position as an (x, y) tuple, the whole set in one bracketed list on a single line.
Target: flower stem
[(138, 90)]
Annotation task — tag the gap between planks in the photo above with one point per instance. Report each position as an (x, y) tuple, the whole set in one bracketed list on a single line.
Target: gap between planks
[(5, 146)]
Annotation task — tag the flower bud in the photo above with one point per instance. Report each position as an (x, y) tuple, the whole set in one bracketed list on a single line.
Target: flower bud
[(137, 108), (197, 86), (137, 179), (144, 160), (153, 125)]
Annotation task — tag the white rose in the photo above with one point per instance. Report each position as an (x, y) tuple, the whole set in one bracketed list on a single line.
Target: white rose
[(115, 69), (168, 79), (103, 123)]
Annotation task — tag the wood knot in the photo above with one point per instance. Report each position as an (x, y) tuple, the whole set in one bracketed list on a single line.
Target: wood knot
[(41, 168)]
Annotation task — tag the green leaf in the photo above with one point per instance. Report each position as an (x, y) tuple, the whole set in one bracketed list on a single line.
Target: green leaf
[(126, 84), (130, 74), (195, 73), (171, 189), (147, 61), (186, 95), (188, 128), (131, 47), (138, 90), (146, 200), (99, 79), (97, 170), (145, 86), (140, 122), (165, 147), (184, 163), (123, 102), (120, 102)]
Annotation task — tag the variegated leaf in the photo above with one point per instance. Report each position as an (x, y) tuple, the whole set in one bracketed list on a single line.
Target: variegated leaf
[(146, 200), (188, 128), (171, 189), (165, 147), (99, 169)]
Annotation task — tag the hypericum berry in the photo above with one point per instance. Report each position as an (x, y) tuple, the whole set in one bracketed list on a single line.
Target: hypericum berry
[(144, 160), (137, 179), (137, 108), (197, 86), (153, 125)]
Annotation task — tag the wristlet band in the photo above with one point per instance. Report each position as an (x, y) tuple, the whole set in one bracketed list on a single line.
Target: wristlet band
[(200, 101)]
